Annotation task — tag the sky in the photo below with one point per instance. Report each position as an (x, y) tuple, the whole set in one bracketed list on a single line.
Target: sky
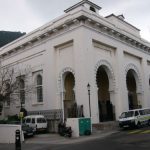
[(27, 15)]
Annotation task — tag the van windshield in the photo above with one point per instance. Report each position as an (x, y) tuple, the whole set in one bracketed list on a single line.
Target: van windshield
[(127, 114)]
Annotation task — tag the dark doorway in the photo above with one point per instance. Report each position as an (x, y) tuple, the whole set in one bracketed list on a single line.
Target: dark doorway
[(69, 96), (131, 86), (105, 105)]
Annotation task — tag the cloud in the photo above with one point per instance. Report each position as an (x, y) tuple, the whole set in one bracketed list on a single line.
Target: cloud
[(15, 16), (49, 10), (27, 15)]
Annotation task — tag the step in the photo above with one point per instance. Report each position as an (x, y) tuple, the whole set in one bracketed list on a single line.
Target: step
[(110, 125)]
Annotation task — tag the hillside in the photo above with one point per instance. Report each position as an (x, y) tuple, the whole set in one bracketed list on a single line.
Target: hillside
[(8, 36)]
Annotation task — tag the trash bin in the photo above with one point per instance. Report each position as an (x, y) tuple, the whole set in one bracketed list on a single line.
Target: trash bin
[(84, 126)]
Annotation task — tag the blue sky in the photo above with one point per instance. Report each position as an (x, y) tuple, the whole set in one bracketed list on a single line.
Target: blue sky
[(27, 15)]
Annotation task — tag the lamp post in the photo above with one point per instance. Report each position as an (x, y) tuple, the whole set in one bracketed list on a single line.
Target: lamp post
[(88, 87)]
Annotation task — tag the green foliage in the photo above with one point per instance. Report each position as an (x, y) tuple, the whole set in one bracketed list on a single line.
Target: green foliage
[(13, 118), (10, 120), (8, 36)]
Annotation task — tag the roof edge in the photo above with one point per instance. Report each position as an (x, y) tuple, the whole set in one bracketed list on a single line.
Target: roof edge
[(81, 3), (122, 21)]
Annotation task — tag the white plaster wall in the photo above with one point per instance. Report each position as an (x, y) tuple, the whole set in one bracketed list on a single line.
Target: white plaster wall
[(82, 58), (8, 133), (74, 124), (124, 26)]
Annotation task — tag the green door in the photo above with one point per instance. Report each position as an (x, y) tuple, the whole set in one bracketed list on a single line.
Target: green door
[(84, 125)]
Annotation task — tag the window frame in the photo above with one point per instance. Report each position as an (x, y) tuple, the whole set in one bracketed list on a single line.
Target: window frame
[(7, 102), (22, 91), (35, 96)]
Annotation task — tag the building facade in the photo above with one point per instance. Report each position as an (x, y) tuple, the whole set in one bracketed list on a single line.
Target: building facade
[(77, 49)]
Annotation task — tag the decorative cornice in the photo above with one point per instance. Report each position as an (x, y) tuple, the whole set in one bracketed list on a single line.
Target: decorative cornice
[(101, 27), (117, 34)]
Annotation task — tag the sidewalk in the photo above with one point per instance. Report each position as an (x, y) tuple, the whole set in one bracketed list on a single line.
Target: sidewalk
[(57, 139), (42, 141)]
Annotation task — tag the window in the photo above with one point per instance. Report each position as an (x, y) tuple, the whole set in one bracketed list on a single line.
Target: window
[(142, 112), (41, 120), (92, 9), (33, 120), (39, 88), (22, 91), (1, 108), (127, 114), (7, 94), (28, 120), (136, 113), (147, 111)]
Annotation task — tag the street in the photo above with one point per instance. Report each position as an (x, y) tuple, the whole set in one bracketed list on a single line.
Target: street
[(125, 139)]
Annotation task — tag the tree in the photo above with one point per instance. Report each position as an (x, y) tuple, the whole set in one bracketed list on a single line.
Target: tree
[(8, 84), (12, 85)]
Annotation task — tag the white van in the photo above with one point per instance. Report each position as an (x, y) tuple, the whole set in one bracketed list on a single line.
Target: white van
[(135, 118), (38, 122)]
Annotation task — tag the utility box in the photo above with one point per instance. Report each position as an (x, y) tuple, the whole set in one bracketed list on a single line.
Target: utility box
[(79, 126), (84, 126)]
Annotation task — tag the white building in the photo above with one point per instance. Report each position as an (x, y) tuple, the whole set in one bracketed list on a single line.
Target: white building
[(78, 48)]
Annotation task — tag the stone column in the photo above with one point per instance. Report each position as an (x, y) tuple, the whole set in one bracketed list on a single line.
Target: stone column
[(144, 91), (121, 93)]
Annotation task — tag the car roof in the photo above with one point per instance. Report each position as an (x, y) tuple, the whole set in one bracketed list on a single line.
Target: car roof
[(136, 109), (34, 116)]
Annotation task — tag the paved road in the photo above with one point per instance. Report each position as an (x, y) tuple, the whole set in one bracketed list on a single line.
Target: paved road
[(123, 140)]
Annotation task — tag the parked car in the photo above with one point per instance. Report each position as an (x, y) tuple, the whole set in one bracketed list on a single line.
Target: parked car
[(38, 122), (27, 131), (135, 118)]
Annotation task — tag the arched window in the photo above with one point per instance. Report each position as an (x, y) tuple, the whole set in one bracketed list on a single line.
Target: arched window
[(7, 96), (39, 88), (22, 91)]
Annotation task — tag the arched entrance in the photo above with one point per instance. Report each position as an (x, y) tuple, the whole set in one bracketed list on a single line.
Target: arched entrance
[(132, 88), (104, 100), (69, 96)]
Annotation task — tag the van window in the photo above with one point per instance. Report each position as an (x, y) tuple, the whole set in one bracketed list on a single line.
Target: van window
[(41, 120), (147, 111), (127, 114), (136, 113), (28, 120), (33, 120), (142, 112), (23, 121)]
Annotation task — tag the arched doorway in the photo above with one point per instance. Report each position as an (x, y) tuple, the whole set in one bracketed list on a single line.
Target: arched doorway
[(104, 102), (132, 88), (69, 95)]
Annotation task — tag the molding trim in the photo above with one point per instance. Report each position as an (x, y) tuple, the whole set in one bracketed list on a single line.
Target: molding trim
[(136, 74), (65, 70), (108, 68)]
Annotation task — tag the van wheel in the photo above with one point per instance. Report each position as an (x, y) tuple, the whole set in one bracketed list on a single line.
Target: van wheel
[(138, 125)]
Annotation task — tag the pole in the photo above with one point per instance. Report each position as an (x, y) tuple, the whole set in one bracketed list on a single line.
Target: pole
[(62, 99), (89, 102)]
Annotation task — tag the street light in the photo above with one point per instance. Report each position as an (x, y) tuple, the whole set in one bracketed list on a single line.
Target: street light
[(88, 87)]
